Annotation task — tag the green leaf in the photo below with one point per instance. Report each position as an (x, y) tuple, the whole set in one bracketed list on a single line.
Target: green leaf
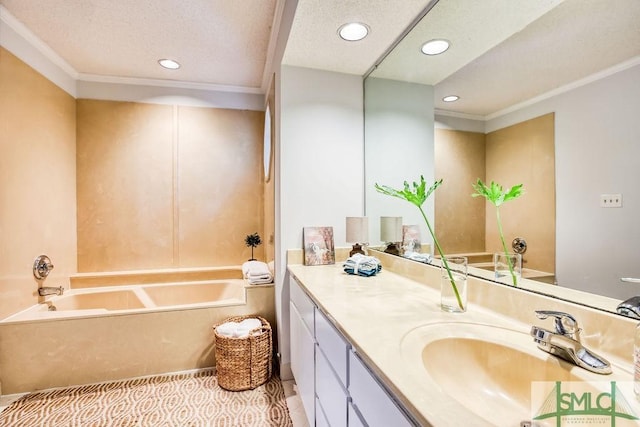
[(495, 194), (416, 193)]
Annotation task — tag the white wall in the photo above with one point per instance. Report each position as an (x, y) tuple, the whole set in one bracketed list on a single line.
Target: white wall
[(597, 152), (400, 147), (320, 163)]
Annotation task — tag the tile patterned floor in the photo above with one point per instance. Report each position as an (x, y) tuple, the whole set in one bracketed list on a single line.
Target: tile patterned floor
[(296, 411)]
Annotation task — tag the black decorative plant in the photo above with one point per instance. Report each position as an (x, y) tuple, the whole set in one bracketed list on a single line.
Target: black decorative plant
[(252, 240)]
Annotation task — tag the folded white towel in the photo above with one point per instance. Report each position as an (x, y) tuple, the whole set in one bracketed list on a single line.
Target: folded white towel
[(260, 280), (253, 268)]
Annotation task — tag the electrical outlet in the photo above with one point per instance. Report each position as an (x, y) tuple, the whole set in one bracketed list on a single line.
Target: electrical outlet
[(611, 200)]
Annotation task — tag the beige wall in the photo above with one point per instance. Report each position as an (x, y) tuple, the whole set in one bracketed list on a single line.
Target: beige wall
[(525, 153), (166, 186), (37, 182), (459, 162)]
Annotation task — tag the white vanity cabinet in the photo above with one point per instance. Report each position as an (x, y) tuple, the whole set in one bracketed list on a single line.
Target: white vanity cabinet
[(336, 388), (376, 408), (331, 371), (301, 314)]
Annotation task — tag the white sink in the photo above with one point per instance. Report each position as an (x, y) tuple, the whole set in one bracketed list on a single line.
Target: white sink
[(488, 370)]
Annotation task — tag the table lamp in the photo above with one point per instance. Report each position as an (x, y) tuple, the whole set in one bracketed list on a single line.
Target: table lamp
[(391, 232), (357, 233)]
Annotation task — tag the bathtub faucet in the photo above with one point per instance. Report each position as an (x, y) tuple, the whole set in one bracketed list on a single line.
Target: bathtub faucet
[(50, 290)]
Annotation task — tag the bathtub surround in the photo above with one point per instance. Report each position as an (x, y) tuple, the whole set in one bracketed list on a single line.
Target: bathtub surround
[(462, 157), (37, 189), (193, 399), (156, 186), (164, 186)]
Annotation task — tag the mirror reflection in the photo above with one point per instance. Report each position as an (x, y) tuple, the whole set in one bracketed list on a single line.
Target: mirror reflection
[(549, 94)]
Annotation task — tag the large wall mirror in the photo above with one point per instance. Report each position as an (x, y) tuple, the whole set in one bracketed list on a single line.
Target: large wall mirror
[(549, 96)]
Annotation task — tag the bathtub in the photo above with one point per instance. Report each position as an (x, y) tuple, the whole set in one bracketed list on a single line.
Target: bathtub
[(128, 299), (107, 327)]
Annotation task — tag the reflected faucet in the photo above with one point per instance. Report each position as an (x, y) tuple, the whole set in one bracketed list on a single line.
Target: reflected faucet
[(565, 342)]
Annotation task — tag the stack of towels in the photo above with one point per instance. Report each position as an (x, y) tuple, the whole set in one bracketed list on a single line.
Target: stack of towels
[(362, 265), (257, 272), (240, 329)]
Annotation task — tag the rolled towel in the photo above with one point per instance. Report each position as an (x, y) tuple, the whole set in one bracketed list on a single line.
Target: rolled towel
[(228, 329), (247, 326), (251, 323)]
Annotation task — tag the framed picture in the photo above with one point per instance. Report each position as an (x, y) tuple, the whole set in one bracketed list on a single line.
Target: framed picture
[(411, 238), (318, 246)]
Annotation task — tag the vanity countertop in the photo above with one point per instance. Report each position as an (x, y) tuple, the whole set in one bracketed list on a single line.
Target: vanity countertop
[(377, 313)]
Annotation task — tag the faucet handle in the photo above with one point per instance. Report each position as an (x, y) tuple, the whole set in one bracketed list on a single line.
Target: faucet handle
[(565, 323)]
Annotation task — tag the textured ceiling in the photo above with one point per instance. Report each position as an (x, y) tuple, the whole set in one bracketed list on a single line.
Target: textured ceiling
[(218, 42), (574, 41), (507, 52), (314, 41), (504, 52)]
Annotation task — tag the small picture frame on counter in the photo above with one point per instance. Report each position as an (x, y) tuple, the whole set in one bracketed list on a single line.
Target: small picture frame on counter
[(318, 246)]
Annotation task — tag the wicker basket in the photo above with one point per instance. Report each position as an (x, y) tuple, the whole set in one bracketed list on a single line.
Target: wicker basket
[(244, 363)]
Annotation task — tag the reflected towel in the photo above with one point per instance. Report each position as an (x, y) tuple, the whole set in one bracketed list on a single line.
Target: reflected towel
[(417, 256)]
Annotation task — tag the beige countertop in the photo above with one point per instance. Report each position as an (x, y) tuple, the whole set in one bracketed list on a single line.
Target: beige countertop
[(377, 314)]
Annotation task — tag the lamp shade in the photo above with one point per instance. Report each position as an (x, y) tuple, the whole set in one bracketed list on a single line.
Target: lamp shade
[(391, 228), (357, 229)]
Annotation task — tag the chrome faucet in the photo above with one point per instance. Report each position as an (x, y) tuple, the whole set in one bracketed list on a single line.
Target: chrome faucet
[(565, 342), (50, 290)]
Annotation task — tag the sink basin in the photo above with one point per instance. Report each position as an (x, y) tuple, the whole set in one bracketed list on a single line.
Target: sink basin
[(488, 370)]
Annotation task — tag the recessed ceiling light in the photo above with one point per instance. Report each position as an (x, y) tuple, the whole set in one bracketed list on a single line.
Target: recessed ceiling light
[(435, 47), (450, 98), (353, 32), (169, 64)]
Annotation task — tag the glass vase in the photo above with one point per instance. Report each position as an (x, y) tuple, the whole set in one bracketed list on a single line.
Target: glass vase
[(507, 267), (453, 284)]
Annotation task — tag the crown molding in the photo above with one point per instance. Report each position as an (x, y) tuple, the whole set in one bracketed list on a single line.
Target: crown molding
[(178, 84), (566, 88)]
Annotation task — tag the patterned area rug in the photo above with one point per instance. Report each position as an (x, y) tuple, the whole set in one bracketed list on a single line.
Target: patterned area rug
[(193, 399)]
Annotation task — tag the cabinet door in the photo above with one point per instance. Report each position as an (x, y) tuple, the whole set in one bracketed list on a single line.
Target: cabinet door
[(332, 397), (333, 345), (378, 409), (306, 307), (303, 361)]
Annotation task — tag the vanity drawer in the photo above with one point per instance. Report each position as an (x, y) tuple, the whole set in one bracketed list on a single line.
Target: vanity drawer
[(332, 397), (354, 419), (378, 409), (303, 303), (321, 418), (333, 346)]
